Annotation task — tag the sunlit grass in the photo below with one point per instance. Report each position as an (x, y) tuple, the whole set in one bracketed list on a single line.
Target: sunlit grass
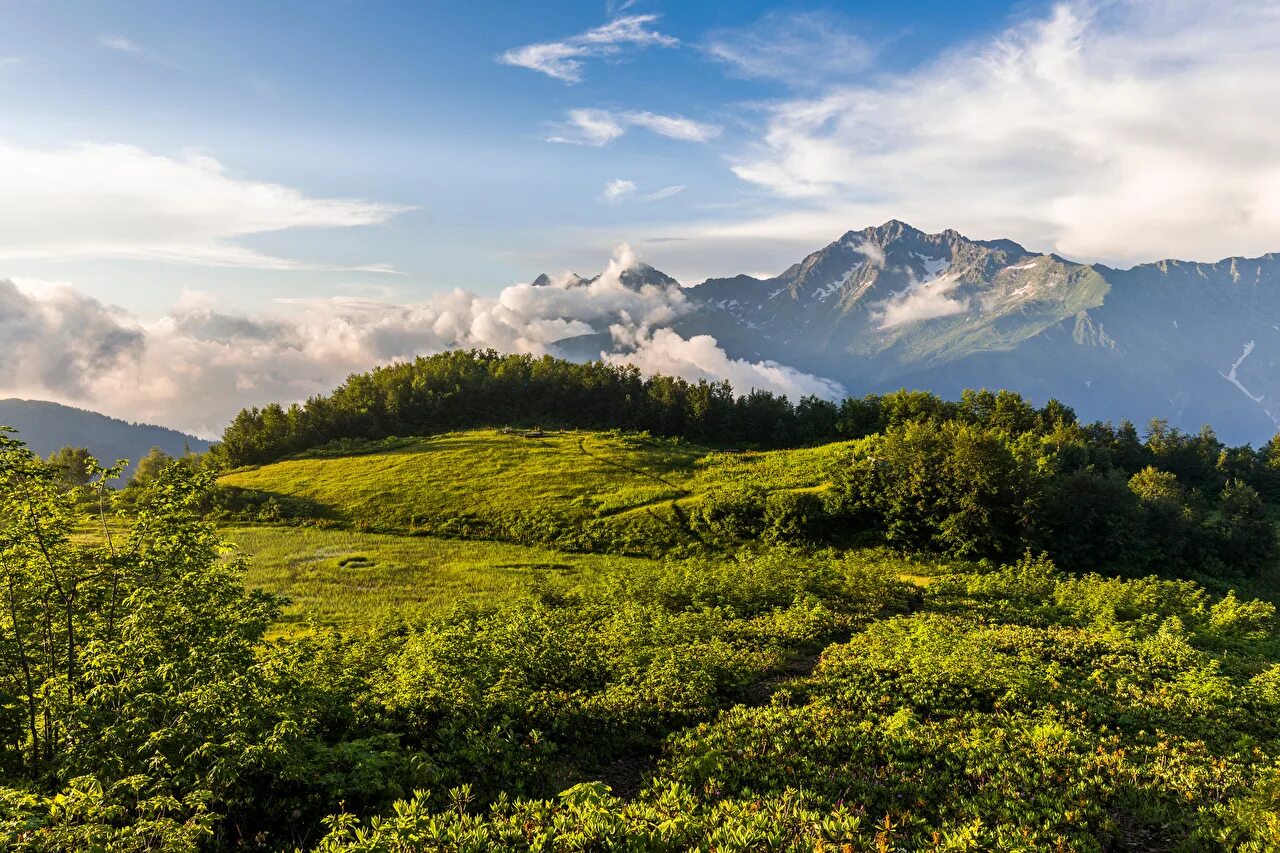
[(486, 477), (349, 578)]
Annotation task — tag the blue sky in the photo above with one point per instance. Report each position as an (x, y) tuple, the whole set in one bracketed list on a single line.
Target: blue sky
[(405, 104), (211, 205)]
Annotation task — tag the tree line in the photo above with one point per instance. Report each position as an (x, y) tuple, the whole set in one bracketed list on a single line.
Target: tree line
[(1092, 497), (462, 389)]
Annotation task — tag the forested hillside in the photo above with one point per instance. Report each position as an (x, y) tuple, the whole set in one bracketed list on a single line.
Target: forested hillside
[(48, 427), (986, 476), (463, 389), (894, 624)]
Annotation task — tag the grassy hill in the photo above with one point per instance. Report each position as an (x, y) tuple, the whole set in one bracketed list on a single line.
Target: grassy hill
[(582, 490), (410, 527)]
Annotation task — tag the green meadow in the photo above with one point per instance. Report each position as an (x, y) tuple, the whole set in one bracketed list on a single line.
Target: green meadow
[(349, 578), (579, 491), (485, 484)]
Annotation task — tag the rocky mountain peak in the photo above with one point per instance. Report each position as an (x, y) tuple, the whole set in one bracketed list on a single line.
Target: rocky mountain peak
[(890, 306), (642, 274)]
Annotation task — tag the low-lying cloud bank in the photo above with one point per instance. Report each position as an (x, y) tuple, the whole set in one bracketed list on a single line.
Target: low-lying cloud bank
[(198, 365)]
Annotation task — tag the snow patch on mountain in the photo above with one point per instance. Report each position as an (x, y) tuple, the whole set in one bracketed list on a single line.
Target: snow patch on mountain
[(822, 294), (934, 266), (1234, 379)]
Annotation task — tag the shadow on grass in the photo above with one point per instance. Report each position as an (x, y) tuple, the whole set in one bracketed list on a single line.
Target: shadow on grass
[(262, 505)]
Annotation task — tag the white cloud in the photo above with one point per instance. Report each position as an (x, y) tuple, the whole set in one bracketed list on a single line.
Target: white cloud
[(59, 340), (589, 127), (1119, 131), (120, 43), (199, 364), (124, 44), (665, 192), (799, 48), (922, 301), (616, 191), (599, 127), (563, 59), (621, 190), (701, 357), (674, 127), (119, 201)]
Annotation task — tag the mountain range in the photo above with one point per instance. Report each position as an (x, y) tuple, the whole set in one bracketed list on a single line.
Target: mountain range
[(891, 306), (47, 427)]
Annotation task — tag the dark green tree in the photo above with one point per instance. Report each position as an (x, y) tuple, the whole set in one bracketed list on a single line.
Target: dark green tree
[(73, 464)]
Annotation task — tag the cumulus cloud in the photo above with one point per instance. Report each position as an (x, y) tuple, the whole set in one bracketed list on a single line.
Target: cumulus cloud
[(199, 364), (798, 48), (1119, 131), (600, 127), (563, 59), (59, 341), (119, 201), (701, 357), (616, 191)]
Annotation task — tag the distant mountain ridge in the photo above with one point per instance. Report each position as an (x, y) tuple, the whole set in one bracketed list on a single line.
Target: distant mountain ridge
[(891, 306), (46, 427)]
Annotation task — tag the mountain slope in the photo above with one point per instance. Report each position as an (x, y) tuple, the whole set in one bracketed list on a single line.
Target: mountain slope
[(46, 427), (892, 306), (898, 296)]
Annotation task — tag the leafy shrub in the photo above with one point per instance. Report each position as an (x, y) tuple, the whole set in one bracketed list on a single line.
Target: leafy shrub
[(733, 512), (794, 517)]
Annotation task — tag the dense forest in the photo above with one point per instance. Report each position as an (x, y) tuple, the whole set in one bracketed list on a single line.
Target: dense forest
[(929, 626)]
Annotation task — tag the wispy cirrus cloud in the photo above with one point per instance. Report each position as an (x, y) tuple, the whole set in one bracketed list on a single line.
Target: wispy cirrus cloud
[(665, 192), (124, 44), (673, 127), (120, 43), (600, 127), (798, 48), (119, 201), (588, 127), (620, 190), (563, 59)]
